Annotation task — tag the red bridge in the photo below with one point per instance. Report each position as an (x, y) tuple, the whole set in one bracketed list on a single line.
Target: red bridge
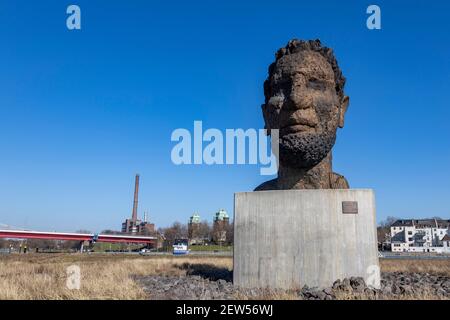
[(19, 234)]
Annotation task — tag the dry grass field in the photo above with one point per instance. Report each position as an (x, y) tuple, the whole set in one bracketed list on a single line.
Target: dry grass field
[(44, 276), (439, 267)]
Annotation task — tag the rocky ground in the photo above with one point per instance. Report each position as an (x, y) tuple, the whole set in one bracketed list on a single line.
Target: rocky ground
[(204, 283)]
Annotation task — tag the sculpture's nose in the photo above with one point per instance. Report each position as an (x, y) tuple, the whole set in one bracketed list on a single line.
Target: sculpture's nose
[(298, 100)]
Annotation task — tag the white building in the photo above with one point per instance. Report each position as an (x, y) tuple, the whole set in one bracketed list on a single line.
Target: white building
[(426, 235)]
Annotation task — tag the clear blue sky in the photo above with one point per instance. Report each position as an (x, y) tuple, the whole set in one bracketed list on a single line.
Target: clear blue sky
[(82, 111)]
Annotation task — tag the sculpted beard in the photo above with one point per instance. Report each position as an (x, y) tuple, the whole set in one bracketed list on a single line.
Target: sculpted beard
[(305, 150)]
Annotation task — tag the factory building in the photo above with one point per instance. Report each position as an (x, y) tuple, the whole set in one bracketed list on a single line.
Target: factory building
[(135, 225)]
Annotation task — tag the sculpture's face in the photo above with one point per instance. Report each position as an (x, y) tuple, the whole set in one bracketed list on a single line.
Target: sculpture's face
[(301, 101)]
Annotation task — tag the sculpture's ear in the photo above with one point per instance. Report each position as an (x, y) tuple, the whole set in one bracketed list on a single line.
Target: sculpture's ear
[(343, 110)]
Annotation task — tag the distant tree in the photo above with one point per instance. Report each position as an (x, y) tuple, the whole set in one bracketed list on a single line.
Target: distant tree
[(110, 232), (42, 244), (382, 234), (205, 230), (384, 229), (388, 222), (176, 231), (83, 231), (69, 245)]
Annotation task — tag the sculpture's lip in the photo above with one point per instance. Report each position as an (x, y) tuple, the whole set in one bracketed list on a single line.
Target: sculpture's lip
[(296, 124), (295, 128)]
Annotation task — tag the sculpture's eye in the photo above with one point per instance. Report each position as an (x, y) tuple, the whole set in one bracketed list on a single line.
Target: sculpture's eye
[(316, 84)]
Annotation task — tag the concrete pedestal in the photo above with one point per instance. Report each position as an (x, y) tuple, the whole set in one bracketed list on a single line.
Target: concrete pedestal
[(291, 238)]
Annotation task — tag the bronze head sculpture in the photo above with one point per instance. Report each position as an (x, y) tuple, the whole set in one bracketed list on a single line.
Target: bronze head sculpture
[(305, 101)]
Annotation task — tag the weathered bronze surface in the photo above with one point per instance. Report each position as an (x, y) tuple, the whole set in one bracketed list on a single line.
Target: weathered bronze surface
[(305, 101)]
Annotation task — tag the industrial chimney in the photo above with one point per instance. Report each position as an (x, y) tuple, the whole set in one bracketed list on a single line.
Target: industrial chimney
[(135, 203)]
